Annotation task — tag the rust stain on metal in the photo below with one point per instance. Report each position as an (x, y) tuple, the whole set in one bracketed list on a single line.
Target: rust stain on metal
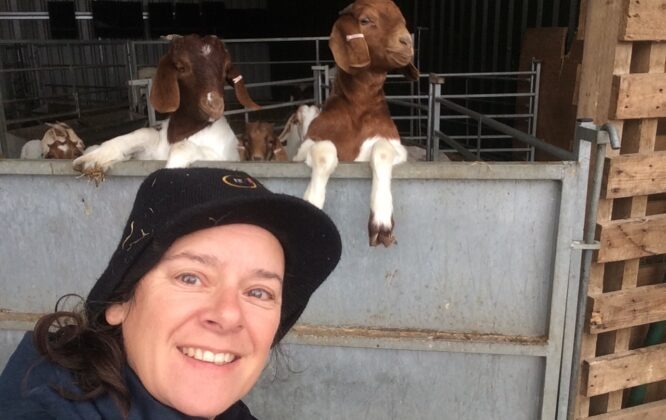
[(8, 315), (414, 334)]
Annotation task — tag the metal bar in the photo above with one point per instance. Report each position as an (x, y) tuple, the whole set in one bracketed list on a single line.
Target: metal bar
[(484, 34), (582, 132), (531, 140), (407, 103), (472, 38), (434, 122), (535, 108), (267, 107), (569, 338), (496, 35), (467, 155), (560, 282), (4, 145), (553, 171), (424, 341)]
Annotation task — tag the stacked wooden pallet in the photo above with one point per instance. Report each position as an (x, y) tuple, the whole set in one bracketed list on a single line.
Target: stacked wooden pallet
[(623, 80)]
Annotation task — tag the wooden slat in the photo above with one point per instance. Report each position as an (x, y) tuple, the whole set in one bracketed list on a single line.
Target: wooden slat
[(624, 370), (626, 308), (632, 238), (651, 411), (644, 21), (641, 95), (635, 174)]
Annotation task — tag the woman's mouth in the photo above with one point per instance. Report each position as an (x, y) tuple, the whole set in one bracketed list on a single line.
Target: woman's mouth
[(208, 356)]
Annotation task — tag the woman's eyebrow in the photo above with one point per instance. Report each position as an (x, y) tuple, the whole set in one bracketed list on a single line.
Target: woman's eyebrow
[(200, 258), (265, 274)]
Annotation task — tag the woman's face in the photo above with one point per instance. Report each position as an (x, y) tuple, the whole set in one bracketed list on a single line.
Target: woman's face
[(199, 328)]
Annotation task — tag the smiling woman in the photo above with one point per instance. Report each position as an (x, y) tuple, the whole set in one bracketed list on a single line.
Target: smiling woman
[(211, 272)]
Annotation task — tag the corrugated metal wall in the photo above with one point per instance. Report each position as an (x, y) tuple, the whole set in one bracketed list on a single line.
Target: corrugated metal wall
[(483, 35)]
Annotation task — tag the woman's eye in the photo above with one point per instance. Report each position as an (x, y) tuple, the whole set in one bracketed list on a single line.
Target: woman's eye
[(189, 279), (261, 294)]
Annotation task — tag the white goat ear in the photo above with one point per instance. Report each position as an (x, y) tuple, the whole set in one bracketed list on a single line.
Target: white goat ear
[(165, 94), (348, 45)]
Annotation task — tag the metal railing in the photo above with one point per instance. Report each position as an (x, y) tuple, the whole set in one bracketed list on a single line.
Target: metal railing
[(81, 77)]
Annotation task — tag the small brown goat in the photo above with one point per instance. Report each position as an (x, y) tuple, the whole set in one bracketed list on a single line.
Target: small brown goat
[(260, 143), (369, 39)]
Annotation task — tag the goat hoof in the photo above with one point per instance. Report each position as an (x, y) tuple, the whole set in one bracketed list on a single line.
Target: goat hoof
[(380, 234), (94, 174)]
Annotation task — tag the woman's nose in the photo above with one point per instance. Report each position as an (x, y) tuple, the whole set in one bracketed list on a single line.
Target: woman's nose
[(224, 310)]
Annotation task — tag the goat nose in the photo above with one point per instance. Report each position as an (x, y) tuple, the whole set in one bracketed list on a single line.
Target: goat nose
[(213, 104), (406, 40)]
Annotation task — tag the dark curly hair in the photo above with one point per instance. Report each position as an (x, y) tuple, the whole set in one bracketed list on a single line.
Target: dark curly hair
[(88, 347)]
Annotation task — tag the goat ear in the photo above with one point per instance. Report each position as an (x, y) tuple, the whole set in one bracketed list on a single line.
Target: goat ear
[(410, 71), (235, 79), (349, 48), (165, 94)]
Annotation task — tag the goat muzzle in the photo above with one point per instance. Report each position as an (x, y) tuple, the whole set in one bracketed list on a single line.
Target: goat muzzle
[(212, 105)]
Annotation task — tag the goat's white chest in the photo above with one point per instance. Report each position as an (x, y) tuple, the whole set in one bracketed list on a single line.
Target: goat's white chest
[(367, 145)]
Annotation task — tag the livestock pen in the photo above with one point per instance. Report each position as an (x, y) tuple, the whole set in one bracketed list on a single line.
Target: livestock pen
[(472, 314)]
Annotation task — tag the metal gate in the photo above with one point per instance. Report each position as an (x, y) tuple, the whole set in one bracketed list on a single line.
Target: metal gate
[(470, 316)]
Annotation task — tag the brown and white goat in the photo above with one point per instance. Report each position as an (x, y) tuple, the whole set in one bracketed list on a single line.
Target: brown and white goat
[(369, 39), (259, 143), (59, 142), (188, 84)]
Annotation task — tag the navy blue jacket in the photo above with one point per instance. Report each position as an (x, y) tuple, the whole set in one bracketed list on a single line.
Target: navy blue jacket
[(25, 393)]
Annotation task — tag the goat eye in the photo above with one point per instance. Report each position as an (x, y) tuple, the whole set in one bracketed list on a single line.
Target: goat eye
[(365, 21)]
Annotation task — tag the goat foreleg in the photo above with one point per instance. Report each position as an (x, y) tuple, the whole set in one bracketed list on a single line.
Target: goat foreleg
[(380, 223), (117, 149), (322, 157)]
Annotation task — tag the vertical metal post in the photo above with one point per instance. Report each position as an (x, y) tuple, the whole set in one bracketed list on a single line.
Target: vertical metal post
[(4, 148), (434, 107), (586, 129), (536, 67), (479, 131), (152, 121)]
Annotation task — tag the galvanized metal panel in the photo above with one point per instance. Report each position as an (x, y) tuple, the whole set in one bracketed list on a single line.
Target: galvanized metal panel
[(331, 383), (457, 318), (467, 249)]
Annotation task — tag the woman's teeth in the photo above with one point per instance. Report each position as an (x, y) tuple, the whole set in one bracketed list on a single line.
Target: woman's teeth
[(208, 356)]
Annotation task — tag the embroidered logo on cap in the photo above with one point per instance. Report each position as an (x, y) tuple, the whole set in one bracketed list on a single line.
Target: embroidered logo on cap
[(239, 181)]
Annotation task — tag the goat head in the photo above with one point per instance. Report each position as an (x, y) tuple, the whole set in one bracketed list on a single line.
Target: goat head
[(61, 142), (372, 34), (259, 142), (189, 83)]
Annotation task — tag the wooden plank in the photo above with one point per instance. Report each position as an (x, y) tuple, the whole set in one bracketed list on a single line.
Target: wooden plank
[(624, 370), (603, 56), (635, 174), (626, 308), (632, 238), (602, 23), (641, 95), (644, 21), (651, 411)]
